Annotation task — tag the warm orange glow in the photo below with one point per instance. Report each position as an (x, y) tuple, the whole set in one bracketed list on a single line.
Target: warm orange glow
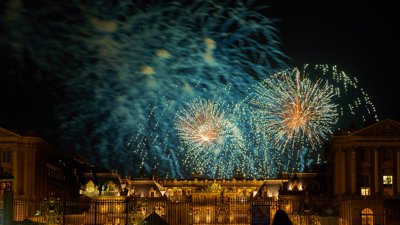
[(296, 116), (208, 134), (205, 138)]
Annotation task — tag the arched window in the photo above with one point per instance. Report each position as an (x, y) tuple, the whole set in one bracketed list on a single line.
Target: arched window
[(367, 217)]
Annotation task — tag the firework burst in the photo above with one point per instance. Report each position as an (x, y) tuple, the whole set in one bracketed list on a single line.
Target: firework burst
[(201, 125), (294, 111), (213, 144), (121, 69)]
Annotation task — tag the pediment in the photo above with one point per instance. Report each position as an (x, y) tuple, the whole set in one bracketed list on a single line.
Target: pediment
[(384, 128), (7, 133)]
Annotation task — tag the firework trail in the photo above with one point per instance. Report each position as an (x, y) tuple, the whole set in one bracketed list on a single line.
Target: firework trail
[(122, 69)]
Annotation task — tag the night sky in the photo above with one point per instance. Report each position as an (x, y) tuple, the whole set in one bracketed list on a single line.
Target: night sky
[(358, 37)]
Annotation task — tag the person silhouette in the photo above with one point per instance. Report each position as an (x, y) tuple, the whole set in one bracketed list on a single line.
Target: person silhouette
[(281, 218)]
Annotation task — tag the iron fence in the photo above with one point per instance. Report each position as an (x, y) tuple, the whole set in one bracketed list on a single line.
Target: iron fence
[(186, 211), (136, 210)]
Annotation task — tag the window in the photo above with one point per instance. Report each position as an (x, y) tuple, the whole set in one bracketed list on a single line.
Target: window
[(387, 155), (388, 185), (365, 191), (366, 181), (365, 185), (387, 179), (388, 191), (6, 185), (364, 155), (367, 217), (6, 156)]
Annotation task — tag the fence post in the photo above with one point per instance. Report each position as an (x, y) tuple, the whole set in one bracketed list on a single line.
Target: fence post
[(126, 211), (64, 208), (8, 207), (95, 212)]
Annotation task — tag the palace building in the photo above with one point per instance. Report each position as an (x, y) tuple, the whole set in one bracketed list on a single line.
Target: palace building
[(358, 184), (365, 165), (38, 168)]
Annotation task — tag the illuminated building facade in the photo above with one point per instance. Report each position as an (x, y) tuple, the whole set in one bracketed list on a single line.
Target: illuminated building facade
[(24, 158), (38, 168), (203, 201), (359, 184), (199, 200), (366, 173)]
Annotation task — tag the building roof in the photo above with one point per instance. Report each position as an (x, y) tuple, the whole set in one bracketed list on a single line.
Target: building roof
[(386, 131), (5, 132), (383, 128), (141, 186)]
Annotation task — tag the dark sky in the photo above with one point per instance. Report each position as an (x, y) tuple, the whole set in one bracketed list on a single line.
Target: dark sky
[(359, 37)]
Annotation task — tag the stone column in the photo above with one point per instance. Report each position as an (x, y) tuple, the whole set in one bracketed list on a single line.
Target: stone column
[(340, 171), (30, 169), (397, 163), (33, 172), (15, 170), (376, 171), (26, 170), (336, 171), (353, 169)]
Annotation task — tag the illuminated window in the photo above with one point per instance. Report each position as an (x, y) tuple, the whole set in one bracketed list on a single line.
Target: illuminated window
[(388, 179), (388, 185), (196, 217), (5, 185), (367, 217), (208, 217), (365, 191)]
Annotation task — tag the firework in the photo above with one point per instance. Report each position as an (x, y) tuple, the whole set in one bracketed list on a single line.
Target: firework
[(294, 111), (121, 70), (354, 105), (293, 114), (213, 144)]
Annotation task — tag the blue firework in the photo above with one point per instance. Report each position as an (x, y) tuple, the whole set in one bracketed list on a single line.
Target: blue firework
[(122, 70)]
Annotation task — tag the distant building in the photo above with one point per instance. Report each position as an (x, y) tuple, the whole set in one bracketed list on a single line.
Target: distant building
[(200, 200), (38, 168), (100, 183)]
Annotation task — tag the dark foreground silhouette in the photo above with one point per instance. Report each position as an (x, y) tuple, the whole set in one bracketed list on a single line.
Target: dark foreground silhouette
[(281, 218)]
